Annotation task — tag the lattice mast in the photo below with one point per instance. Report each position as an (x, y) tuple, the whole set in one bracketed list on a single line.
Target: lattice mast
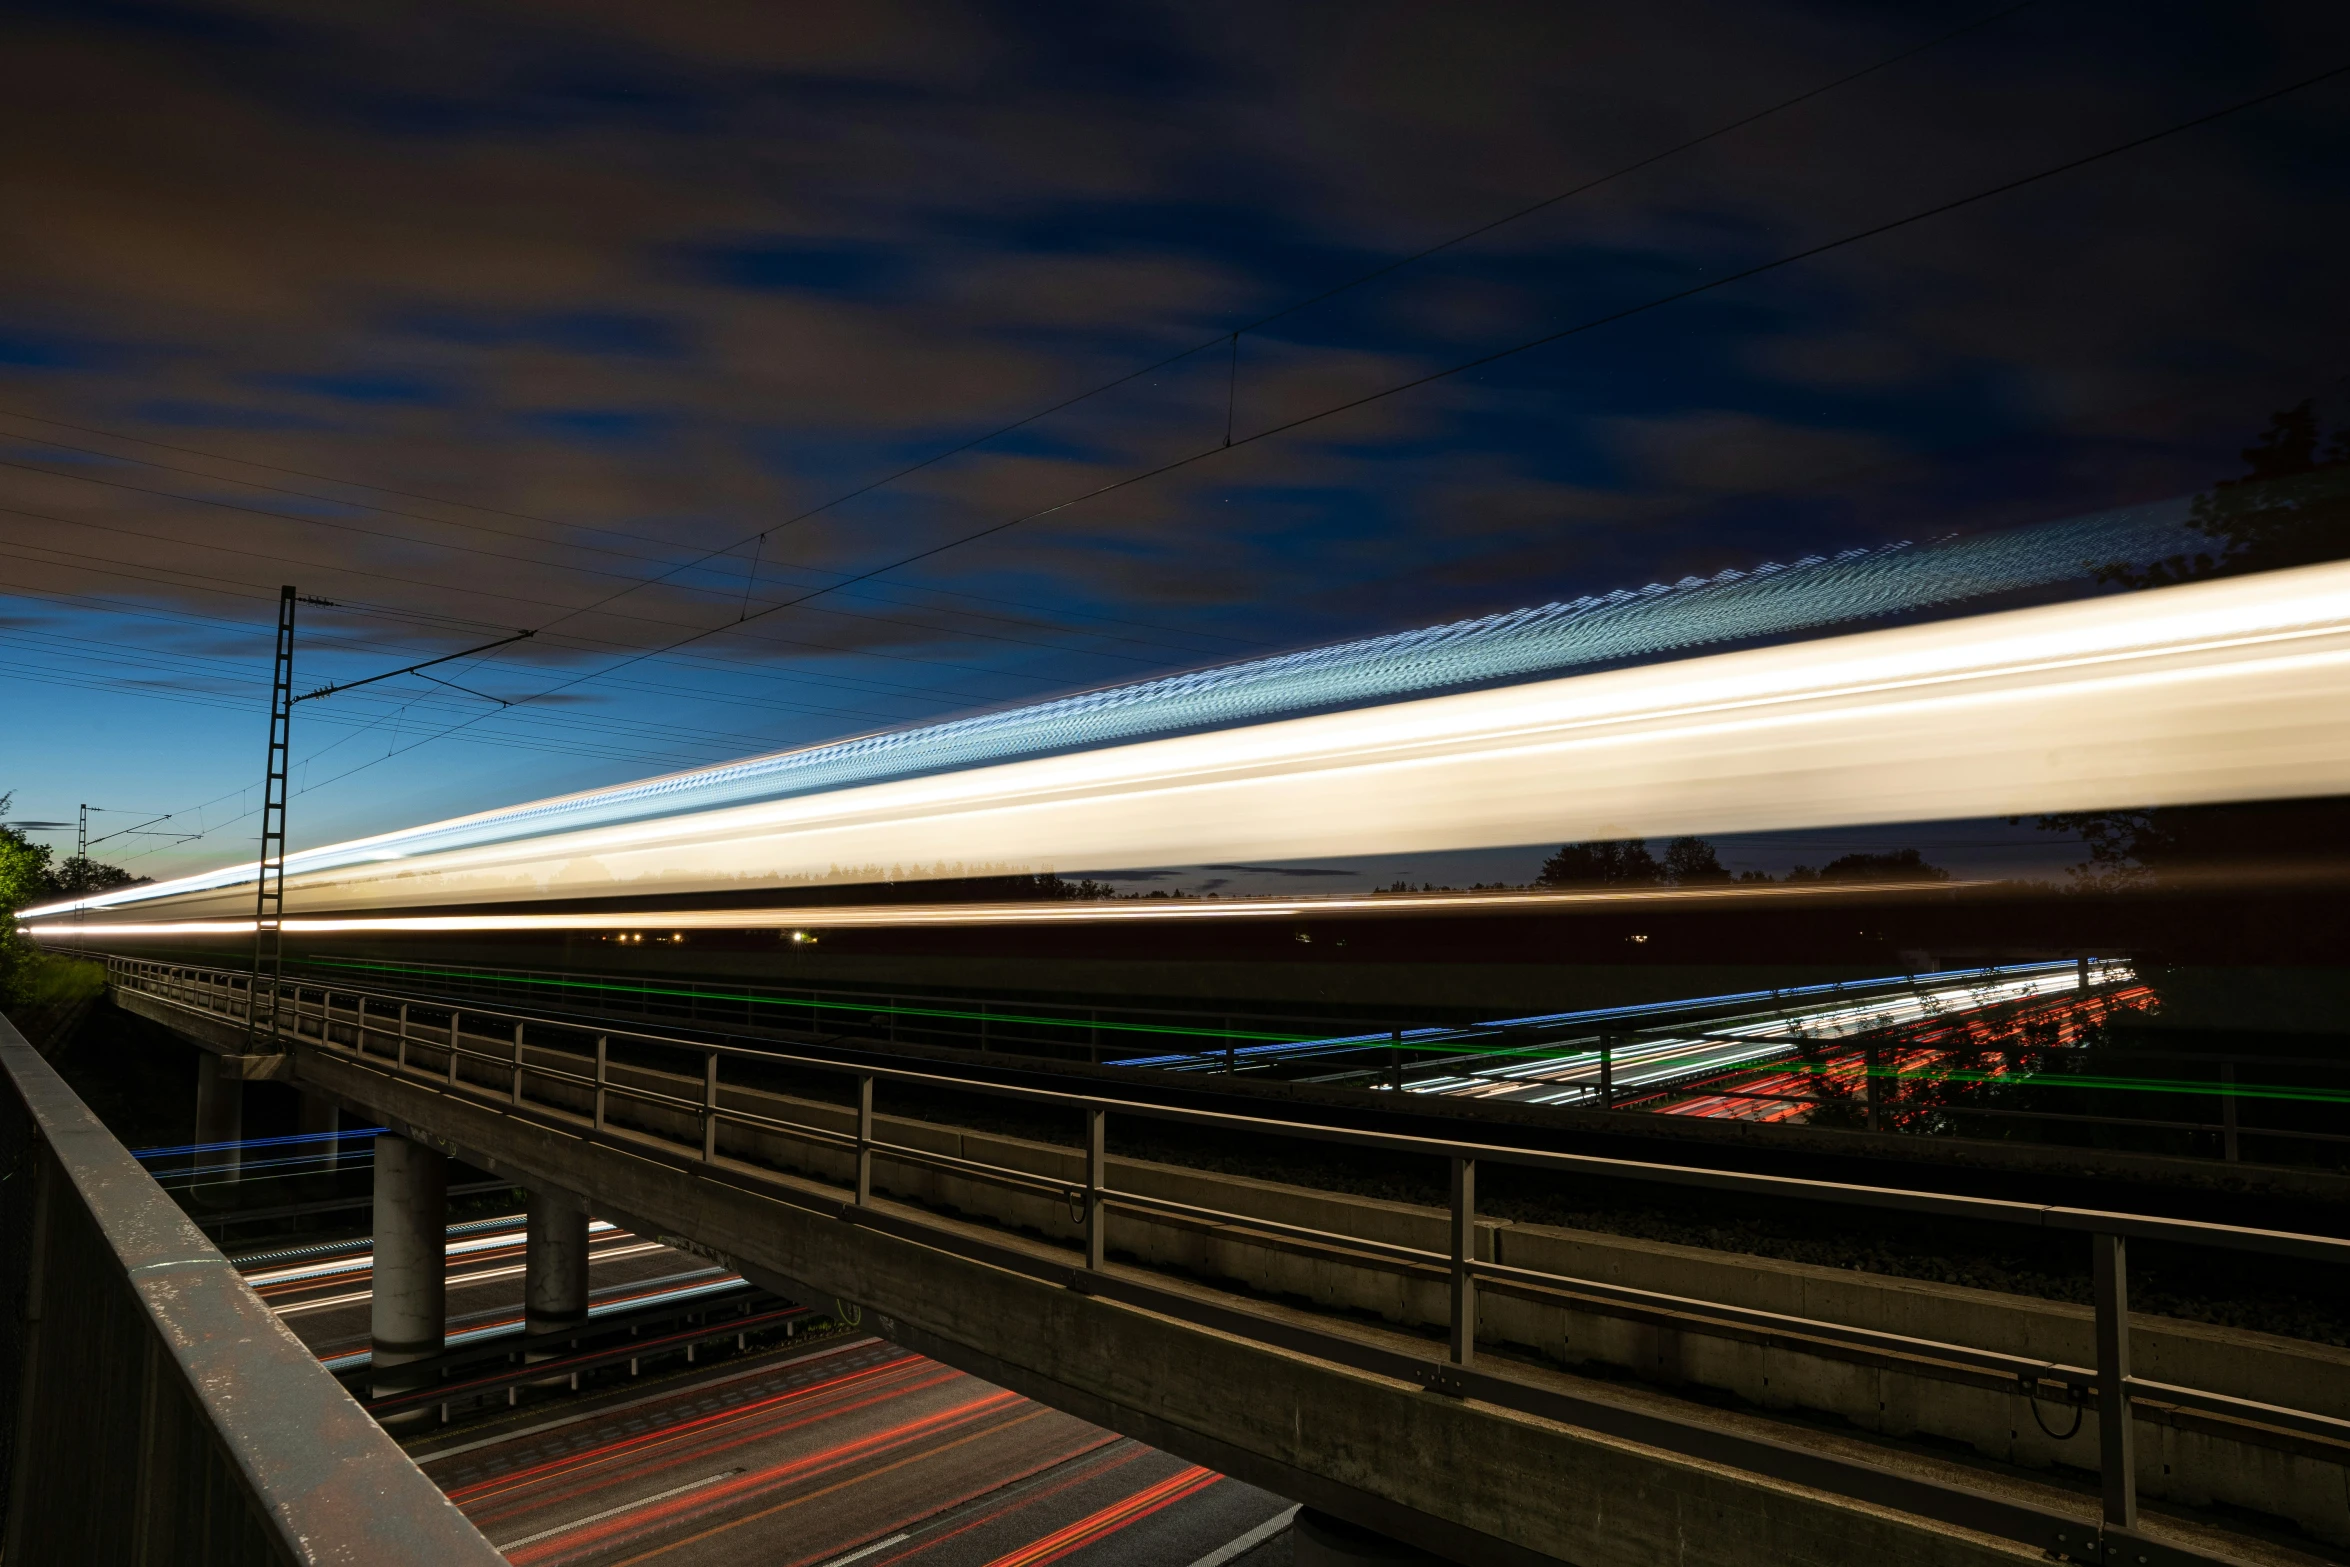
[(269, 893), (80, 887)]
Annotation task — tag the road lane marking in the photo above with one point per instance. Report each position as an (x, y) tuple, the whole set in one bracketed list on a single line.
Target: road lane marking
[(650, 1398), (460, 1280), (862, 1552), (1249, 1541), (838, 1485), (614, 1512)]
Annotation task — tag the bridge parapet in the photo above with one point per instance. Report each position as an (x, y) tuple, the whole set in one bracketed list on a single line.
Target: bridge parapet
[(152, 1410)]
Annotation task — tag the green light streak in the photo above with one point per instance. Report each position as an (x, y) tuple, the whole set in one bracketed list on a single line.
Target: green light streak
[(2271, 1091), (870, 1009)]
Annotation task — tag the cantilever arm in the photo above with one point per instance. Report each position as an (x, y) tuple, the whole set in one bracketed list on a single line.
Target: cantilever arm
[(413, 668)]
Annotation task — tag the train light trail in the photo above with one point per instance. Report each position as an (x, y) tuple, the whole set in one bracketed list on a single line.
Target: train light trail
[(2211, 691)]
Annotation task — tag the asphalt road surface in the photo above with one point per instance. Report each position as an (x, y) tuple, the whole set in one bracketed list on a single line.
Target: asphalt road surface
[(326, 1300), (849, 1452)]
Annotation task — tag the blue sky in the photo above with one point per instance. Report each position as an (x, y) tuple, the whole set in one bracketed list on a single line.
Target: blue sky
[(523, 317)]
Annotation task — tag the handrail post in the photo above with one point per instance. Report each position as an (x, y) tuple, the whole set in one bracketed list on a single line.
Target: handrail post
[(1464, 1256), (1395, 1058), (1097, 1225), (603, 1062), (514, 1082), (1231, 1055), (864, 1139), (1607, 1073), (2116, 1449), (456, 1032), (710, 1107)]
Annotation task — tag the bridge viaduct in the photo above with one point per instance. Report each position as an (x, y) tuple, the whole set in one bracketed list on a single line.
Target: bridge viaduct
[(1478, 1390)]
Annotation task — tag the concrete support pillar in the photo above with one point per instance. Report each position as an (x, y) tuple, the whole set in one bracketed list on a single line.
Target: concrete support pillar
[(555, 1264), (220, 1114), (316, 1117), (411, 1259), (1319, 1540)]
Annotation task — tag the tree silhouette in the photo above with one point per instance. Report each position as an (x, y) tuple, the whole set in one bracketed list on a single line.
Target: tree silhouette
[(1692, 862), (1896, 865), (1619, 862), (2290, 507)]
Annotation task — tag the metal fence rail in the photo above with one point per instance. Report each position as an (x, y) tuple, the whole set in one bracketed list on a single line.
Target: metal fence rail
[(1237, 1039), (1090, 1031), (152, 1409), (528, 1066)]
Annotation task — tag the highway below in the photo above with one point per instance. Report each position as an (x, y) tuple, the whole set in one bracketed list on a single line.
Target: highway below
[(323, 1292), (854, 1450), (836, 1449)]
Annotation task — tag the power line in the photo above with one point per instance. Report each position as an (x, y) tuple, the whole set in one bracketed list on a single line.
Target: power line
[(498, 532), (753, 669), (1629, 169), (92, 659), (1589, 324), (380, 576), (1228, 336), (1479, 361), (1495, 356), (528, 560), (1233, 334)]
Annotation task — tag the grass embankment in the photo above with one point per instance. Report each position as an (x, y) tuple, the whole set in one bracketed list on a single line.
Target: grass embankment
[(48, 995)]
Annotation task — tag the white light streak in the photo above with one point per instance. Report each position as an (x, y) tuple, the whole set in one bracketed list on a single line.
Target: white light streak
[(2224, 690)]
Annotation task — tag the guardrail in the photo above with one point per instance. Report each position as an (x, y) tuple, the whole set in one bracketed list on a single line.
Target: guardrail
[(497, 1058), (151, 1407), (1855, 1082), (1090, 1031)]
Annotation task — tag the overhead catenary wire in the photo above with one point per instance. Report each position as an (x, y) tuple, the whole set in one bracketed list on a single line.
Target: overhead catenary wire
[(73, 477), (1495, 356), (1230, 337), (744, 613), (857, 685), (1490, 357), (504, 597), (858, 578), (305, 521), (1383, 270)]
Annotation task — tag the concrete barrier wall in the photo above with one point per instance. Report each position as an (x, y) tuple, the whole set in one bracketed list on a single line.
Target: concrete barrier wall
[(2193, 1459), (154, 1410)]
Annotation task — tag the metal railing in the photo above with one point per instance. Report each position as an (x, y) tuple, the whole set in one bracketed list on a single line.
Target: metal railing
[(1093, 1031), (152, 1409), (446, 1049), (1887, 1100)]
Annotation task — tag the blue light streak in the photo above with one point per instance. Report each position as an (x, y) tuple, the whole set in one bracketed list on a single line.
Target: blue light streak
[(1621, 627)]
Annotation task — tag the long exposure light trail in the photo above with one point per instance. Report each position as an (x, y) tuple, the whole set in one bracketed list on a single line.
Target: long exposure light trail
[(1646, 1060), (1546, 640), (1113, 1519), (2219, 690), (657, 922)]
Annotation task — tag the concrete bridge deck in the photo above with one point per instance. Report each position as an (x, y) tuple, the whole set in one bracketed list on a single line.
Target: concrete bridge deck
[(1490, 1392)]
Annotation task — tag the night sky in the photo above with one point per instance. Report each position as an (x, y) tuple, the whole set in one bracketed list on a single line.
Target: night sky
[(621, 322)]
